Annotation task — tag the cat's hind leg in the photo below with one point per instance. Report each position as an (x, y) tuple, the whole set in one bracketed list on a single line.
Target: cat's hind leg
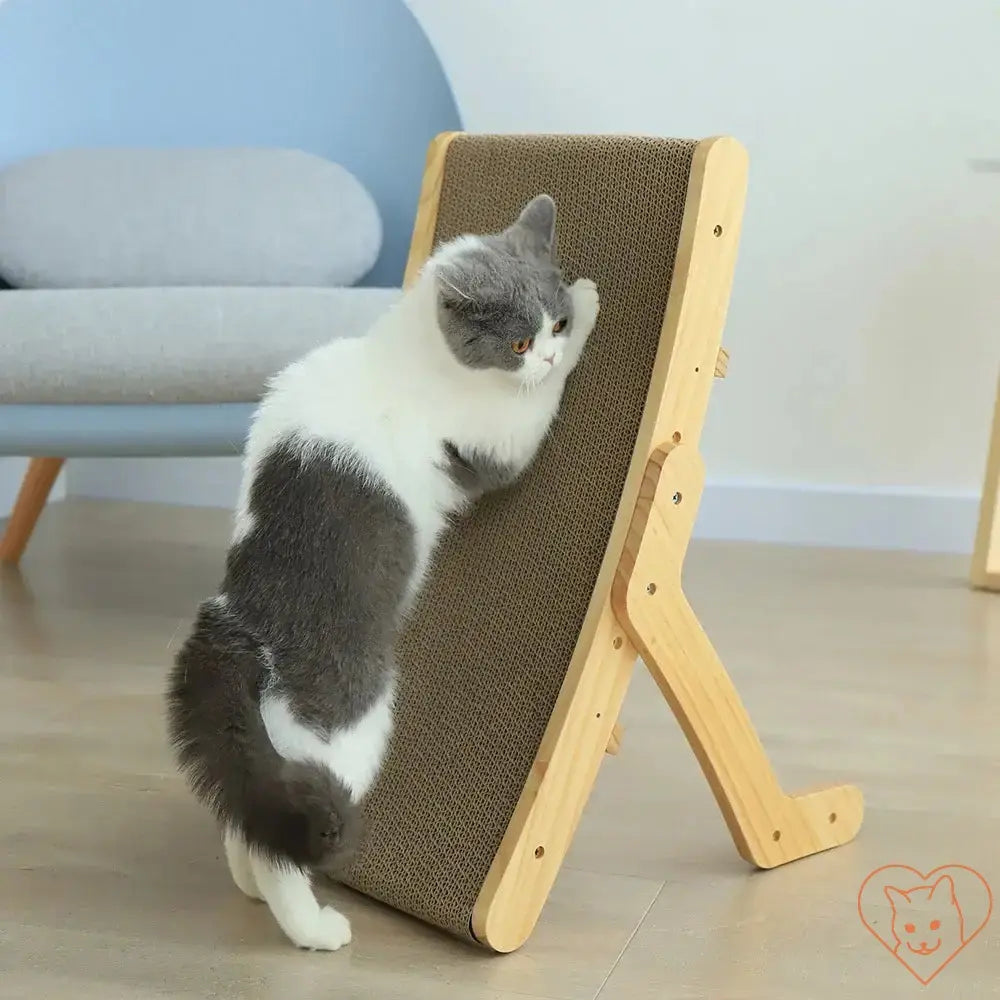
[(288, 893), (238, 859)]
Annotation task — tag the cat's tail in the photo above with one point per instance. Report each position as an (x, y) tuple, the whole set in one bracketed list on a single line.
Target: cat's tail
[(288, 811)]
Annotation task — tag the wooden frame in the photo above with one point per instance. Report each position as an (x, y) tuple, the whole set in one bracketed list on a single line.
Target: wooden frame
[(638, 606), (986, 553)]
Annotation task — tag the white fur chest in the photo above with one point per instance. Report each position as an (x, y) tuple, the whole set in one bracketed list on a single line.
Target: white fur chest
[(383, 414), (392, 398)]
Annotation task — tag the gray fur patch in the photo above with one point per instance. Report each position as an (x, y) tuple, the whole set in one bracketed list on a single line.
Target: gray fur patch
[(320, 580), (309, 607), (477, 473), (494, 293)]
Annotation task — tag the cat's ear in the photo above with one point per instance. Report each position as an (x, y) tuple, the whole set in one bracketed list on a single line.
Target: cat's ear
[(534, 232), (943, 890), (896, 896)]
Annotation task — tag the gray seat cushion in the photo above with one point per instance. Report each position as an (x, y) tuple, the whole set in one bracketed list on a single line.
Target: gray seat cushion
[(94, 218), (167, 345)]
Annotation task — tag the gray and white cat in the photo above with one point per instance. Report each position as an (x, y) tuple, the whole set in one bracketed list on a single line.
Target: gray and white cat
[(280, 700)]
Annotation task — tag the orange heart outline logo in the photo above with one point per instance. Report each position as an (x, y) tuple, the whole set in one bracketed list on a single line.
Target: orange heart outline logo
[(958, 899)]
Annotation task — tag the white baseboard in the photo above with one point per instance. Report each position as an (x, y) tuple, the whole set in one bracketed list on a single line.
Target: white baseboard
[(193, 482), (793, 514), (11, 473), (840, 516)]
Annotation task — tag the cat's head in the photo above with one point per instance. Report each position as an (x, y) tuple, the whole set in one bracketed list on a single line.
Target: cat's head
[(926, 917), (501, 299)]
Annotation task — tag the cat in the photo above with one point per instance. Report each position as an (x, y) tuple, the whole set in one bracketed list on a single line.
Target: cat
[(927, 924), (280, 700)]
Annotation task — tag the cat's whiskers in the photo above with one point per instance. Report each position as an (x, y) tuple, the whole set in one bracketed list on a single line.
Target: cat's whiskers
[(173, 636), (454, 287)]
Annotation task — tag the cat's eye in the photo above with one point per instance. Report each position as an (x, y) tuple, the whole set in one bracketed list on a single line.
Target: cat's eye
[(560, 326), (935, 924), (520, 346)]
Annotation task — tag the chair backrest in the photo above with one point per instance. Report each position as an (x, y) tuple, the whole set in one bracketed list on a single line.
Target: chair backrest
[(516, 588), (357, 83)]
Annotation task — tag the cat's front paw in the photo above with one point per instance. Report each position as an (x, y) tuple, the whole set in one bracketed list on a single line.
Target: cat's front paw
[(586, 305), (330, 931)]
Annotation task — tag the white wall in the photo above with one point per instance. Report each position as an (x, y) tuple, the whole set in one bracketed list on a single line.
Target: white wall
[(864, 324), (863, 328)]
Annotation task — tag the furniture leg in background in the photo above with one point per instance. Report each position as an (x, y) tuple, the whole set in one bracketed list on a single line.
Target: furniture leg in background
[(986, 554), (35, 489)]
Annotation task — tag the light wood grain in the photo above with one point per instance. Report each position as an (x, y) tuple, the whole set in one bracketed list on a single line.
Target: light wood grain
[(768, 827), (556, 791), (615, 740), (985, 572), (695, 318), (580, 727), (41, 474), (425, 224), (722, 363)]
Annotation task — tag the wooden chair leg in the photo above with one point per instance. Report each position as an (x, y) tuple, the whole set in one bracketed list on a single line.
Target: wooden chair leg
[(35, 488), (768, 826), (986, 554)]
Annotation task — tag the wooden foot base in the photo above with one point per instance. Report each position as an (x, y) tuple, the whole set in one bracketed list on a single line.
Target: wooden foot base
[(35, 488), (768, 826)]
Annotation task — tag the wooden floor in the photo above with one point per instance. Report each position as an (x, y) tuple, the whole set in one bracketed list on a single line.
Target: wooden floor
[(882, 669)]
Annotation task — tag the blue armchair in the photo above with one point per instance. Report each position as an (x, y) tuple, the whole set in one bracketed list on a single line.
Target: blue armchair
[(357, 83)]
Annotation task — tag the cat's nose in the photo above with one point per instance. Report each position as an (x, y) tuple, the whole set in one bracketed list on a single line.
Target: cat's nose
[(550, 360)]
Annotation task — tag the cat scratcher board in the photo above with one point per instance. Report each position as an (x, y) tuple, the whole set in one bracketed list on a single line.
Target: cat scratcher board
[(516, 661)]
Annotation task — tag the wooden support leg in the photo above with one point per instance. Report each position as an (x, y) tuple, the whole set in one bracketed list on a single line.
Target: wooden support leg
[(35, 488), (986, 554), (768, 826), (721, 369)]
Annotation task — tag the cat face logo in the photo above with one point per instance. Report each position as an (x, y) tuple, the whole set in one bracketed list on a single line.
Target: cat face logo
[(925, 920), (925, 917)]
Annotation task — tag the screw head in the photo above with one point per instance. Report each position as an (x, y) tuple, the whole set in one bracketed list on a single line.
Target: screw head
[(677, 497)]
